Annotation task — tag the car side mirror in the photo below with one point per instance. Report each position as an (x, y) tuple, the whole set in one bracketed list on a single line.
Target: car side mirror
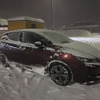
[(39, 44)]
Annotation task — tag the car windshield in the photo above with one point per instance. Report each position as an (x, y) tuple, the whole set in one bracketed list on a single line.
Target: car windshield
[(56, 37)]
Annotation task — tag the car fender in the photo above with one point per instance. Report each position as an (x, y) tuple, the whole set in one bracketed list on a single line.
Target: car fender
[(79, 74)]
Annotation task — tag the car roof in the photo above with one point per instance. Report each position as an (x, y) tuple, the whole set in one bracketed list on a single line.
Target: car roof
[(37, 31), (27, 30)]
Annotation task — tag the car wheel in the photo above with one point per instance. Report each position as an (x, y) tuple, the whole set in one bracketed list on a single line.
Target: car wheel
[(4, 60), (60, 74)]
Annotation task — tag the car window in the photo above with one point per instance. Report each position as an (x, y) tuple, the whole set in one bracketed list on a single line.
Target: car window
[(14, 36), (31, 37), (5, 37)]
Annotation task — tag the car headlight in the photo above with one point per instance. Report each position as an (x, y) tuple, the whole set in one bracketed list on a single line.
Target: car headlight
[(87, 60)]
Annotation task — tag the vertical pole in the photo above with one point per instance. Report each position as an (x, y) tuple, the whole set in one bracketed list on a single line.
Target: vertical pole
[(52, 15)]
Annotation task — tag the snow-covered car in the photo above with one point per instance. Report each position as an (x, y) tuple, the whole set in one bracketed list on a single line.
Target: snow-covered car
[(64, 60)]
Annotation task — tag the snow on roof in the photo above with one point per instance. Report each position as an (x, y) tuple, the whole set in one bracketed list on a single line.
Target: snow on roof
[(26, 18), (3, 21)]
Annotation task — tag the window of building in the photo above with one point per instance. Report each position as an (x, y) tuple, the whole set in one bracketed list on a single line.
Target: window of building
[(33, 26)]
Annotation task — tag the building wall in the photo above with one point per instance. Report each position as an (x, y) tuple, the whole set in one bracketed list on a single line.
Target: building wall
[(13, 25), (31, 24)]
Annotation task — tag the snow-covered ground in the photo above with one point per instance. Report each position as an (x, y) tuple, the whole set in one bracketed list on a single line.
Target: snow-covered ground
[(94, 41), (17, 85)]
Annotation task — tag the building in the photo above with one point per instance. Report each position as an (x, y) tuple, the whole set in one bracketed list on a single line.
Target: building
[(3, 26), (24, 22)]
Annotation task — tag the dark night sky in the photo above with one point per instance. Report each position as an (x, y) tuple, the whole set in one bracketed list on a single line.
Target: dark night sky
[(64, 12)]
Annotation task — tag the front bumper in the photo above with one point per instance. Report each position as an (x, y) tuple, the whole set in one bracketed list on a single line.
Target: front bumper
[(93, 70)]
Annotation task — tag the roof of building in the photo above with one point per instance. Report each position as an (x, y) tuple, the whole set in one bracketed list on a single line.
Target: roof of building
[(3, 22), (21, 18)]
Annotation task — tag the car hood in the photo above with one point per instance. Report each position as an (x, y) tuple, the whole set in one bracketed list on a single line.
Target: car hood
[(81, 49)]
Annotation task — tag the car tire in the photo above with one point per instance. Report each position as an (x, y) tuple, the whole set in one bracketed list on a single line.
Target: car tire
[(60, 74), (4, 60)]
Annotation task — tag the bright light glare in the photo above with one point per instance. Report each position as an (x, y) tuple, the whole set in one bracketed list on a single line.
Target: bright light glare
[(66, 56), (3, 28), (86, 39)]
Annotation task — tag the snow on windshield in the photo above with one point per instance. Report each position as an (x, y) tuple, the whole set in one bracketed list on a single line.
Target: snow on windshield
[(56, 37)]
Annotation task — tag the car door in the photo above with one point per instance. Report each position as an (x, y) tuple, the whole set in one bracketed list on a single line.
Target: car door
[(31, 53), (34, 55), (11, 46)]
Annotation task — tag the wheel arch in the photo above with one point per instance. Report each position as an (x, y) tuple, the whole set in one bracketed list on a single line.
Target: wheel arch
[(60, 62), (6, 59)]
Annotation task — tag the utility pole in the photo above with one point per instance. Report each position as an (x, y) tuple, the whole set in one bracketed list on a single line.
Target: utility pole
[(52, 16)]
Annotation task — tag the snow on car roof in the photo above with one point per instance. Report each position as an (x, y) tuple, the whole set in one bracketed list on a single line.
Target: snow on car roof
[(31, 30), (26, 18), (54, 36), (38, 31)]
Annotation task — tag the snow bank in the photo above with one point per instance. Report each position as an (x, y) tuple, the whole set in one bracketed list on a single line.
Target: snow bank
[(94, 41), (76, 33), (17, 85)]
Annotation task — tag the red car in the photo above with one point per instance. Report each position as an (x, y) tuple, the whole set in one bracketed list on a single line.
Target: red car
[(64, 60)]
